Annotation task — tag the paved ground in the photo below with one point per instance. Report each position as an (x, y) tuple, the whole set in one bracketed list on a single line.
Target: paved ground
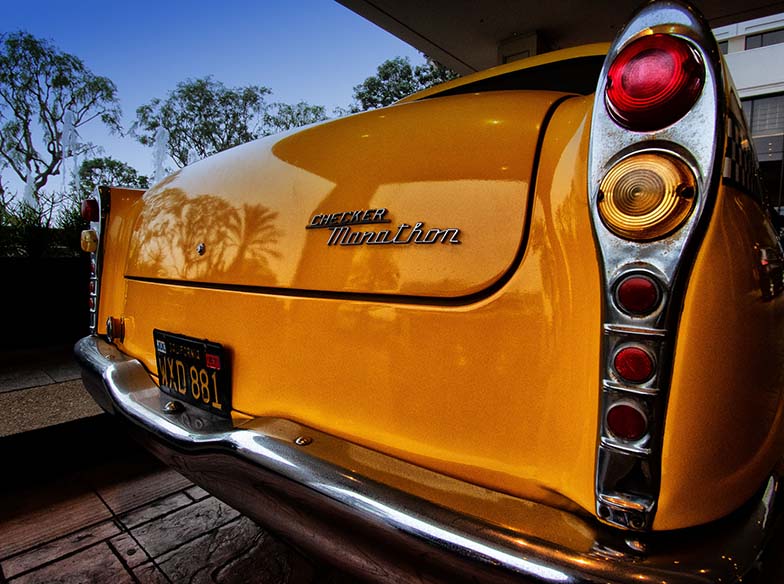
[(40, 388), (80, 502)]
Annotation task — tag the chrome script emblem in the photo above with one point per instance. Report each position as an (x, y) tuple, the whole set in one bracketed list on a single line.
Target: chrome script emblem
[(342, 226)]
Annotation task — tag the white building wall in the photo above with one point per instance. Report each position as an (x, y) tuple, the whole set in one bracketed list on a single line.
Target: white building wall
[(755, 71), (758, 74)]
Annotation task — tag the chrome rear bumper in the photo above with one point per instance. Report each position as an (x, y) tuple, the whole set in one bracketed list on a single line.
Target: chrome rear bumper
[(392, 521)]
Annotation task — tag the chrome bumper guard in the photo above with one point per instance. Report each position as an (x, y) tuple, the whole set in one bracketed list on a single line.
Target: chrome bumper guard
[(337, 500)]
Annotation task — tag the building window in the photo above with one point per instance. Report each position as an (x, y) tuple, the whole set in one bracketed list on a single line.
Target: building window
[(765, 39), (724, 47), (765, 116)]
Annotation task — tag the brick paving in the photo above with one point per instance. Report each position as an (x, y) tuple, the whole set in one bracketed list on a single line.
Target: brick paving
[(80, 502)]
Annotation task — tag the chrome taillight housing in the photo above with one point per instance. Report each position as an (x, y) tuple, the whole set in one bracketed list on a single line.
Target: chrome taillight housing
[(94, 210), (658, 130)]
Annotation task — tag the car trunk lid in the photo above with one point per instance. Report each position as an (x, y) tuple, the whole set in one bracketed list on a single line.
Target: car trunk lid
[(425, 199)]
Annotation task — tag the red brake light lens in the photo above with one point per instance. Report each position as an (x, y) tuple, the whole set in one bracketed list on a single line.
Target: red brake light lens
[(627, 422), (653, 82), (90, 210), (637, 295), (634, 364)]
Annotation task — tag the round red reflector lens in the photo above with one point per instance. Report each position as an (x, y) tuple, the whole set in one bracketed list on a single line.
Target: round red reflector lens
[(626, 421), (634, 364), (90, 210), (654, 82), (92, 286), (637, 295), (91, 303)]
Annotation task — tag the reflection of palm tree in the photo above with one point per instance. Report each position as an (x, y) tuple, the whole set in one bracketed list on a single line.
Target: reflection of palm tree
[(205, 219), (172, 226), (375, 272), (255, 236)]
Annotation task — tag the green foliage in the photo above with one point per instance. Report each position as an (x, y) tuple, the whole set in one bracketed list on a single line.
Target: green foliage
[(284, 116), (93, 172), (29, 232), (38, 84), (108, 171), (204, 116), (395, 79), (54, 228)]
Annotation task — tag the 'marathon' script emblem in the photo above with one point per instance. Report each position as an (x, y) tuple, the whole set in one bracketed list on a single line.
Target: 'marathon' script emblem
[(342, 230)]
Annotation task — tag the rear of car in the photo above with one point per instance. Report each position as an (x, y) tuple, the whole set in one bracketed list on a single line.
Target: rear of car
[(525, 324)]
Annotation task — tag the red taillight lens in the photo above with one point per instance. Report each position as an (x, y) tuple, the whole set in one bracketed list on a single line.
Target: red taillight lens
[(90, 210), (637, 295), (626, 421), (634, 364), (653, 82)]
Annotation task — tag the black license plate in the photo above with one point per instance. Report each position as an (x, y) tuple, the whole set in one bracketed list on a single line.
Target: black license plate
[(196, 371)]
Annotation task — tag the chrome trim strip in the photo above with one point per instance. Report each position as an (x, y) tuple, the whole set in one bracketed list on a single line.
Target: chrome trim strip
[(609, 442), (627, 329), (335, 498), (611, 385)]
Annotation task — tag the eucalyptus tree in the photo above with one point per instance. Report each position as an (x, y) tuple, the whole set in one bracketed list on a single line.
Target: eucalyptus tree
[(45, 92)]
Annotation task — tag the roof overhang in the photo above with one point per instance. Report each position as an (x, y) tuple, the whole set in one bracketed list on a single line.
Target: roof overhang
[(470, 35)]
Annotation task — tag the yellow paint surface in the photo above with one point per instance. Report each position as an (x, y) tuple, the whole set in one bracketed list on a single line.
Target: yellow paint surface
[(502, 392)]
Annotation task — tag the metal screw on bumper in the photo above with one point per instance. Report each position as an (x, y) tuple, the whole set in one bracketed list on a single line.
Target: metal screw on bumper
[(172, 407)]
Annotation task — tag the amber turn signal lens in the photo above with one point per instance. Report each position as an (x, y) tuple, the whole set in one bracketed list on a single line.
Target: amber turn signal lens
[(89, 240), (647, 196), (626, 421)]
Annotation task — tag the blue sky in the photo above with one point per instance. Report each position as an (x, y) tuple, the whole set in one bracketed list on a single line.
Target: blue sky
[(311, 50)]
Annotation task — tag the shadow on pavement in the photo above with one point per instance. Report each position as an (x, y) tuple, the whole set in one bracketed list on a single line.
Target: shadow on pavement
[(80, 502)]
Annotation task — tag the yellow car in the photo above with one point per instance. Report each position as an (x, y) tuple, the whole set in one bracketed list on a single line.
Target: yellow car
[(526, 324)]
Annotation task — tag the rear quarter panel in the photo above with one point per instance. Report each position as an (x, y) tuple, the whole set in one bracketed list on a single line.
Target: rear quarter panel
[(723, 430)]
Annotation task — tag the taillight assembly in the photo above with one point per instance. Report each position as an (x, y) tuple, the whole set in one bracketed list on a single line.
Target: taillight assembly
[(90, 243), (656, 132), (647, 196), (653, 82)]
